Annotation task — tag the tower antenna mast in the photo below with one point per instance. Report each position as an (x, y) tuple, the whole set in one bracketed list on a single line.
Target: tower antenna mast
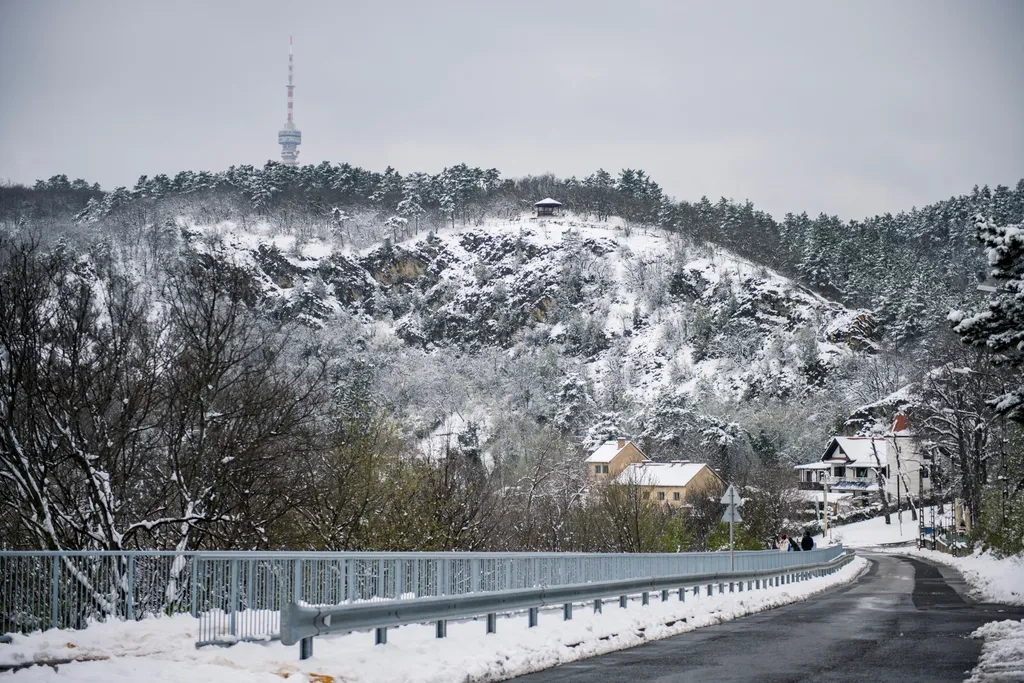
[(290, 137)]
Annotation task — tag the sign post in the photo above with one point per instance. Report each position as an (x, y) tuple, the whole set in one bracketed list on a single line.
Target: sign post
[(733, 502)]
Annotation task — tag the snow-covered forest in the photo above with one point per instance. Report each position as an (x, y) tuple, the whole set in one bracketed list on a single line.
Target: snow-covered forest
[(326, 357)]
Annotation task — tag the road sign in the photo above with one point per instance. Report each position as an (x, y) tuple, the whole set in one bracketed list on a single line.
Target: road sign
[(733, 501), (732, 497), (732, 515)]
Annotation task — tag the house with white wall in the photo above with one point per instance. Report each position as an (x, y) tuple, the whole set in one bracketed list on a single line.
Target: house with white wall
[(852, 465)]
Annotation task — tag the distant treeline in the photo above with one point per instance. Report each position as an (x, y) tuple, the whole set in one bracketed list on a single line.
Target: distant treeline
[(910, 268)]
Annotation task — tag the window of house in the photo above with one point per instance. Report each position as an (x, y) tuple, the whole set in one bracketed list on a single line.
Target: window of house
[(675, 495), (661, 495), (597, 469), (862, 472), (839, 471), (647, 494), (924, 473), (604, 469), (810, 476)]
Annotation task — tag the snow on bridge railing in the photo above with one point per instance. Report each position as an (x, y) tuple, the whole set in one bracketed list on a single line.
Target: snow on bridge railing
[(238, 595)]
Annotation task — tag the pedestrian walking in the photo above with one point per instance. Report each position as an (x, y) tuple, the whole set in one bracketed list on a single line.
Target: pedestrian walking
[(783, 544), (807, 543)]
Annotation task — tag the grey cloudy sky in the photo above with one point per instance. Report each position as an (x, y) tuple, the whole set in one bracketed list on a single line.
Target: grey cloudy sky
[(852, 108)]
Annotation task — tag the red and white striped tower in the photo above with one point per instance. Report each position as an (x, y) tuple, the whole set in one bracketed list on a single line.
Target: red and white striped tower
[(290, 137)]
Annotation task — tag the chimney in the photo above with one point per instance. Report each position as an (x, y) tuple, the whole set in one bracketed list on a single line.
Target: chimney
[(622, 442)]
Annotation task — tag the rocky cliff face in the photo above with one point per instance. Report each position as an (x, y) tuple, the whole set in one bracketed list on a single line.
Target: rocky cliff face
[(641, 311)]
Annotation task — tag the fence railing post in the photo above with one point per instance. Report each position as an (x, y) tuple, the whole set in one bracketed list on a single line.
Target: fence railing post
[(54, 591), (193, 590), (129, 606), (233, 597)]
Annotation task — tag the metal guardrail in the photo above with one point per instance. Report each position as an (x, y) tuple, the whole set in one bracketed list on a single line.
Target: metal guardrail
[(300, 623), (238, 595)]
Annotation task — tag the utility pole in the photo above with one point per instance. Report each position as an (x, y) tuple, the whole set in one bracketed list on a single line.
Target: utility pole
[(899, 510), (824, 478)]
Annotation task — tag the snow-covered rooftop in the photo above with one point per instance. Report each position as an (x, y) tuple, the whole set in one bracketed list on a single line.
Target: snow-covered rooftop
[(861, 450), (548, 201), (606, 452), (660, 473)]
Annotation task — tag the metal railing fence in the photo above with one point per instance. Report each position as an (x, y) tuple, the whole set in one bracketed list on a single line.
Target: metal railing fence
[(300, 623), (238, 595)]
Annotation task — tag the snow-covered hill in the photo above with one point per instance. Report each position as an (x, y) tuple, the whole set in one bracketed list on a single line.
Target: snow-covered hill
[(641, 316)]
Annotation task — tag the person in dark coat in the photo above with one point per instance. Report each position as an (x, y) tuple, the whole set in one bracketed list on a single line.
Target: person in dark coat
[(807, 543)]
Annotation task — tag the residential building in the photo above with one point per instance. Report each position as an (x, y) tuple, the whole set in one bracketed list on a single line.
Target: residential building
[(852, 465), (622, 462), (612, 457)]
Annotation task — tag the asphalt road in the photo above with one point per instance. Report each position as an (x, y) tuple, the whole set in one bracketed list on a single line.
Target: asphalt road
[(904, 620)]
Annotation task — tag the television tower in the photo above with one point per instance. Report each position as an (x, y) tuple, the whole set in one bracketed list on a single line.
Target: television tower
[(290, 137)]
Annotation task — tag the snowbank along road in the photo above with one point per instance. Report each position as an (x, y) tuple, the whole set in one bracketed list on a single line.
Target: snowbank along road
[(905, 620)]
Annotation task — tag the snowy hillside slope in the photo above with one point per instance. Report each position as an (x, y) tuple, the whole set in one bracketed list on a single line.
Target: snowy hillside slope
[(644, 311)]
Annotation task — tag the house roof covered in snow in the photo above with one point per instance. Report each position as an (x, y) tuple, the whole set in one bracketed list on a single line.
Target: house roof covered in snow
[(857, 450), (607, 451), (814, 466), (660, 473), (548, 201)]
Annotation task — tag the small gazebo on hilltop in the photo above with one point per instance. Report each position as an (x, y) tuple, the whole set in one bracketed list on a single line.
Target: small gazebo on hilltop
[(547, 207)]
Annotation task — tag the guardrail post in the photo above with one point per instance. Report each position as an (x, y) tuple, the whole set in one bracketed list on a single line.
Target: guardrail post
[(381, 636), (645, 598), (492, 622), (54, 590), (598, 606), (567, 611), (129, 603), (664, 595), (532, 617), (441, 628), (623, 601), (305, 644), (711, 590), (732, 586)]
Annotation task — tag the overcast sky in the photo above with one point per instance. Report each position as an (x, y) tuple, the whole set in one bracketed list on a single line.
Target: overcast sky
[(853, 108)]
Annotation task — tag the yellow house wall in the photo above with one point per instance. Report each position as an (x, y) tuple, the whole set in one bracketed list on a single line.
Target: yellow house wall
[(704, 478), (627, 455)]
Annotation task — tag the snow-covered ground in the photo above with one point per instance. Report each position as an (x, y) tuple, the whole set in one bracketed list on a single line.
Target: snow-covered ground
[(874, 532), (1002, 655), (991, 579), (162, 649)]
